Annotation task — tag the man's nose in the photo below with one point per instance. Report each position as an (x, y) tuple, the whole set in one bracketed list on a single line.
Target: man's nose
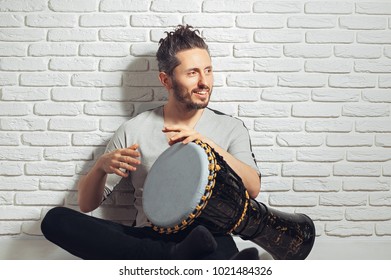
[(202, 80)]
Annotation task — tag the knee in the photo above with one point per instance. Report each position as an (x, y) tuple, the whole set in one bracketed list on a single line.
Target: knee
[(52, 220)]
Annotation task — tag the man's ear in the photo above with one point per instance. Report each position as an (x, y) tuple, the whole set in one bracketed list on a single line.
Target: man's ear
[(165, 79)]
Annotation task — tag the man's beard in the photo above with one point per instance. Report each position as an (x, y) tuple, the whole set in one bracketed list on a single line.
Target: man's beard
[(181, 96)]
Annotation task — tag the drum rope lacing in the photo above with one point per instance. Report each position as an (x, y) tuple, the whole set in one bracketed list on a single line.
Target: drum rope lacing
[(213, 169)]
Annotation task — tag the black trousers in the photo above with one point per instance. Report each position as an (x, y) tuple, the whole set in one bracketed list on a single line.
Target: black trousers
[(92, 238)]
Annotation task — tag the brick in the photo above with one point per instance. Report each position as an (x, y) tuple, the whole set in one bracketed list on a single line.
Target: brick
[(123, 35), (109, 109), (275, 184), (301, 80), (278, 65), (377, 8), (24, 94), (22, 35), (357, 169), (14, 109), (124, 5), (328, 7), (23, 64), (96, 80), (23, 124), (20, 154), (260, 21), (320, 155), (383, 229), (226, 35), (73, 64), (235, 94), (154, 20), (176, 6), (264, 110), (68, 154), (299, 140), (305, 170), (380, 199), (373, 66), (250, 80), (368, 214), (39, 198), (278, 7), (124, 64), (127, 94), (6, 198), (104, 49), (8, 79), (88, 139), (354, 140), (372, 155), (343, 199), (381, 125), (383, 140), (357, 51), (370, 110), (278, 36), (278, 125), (44, 79), (13, 49), (352, 81), (308, 51), (316, 110), (343, 229), (328, 126), (19, 213), (329, 37), (323, 213), (50, 169), (103, 20), (274, 155), (231, 64), (328, 66), (257, 50), (362, 22), (374, 37), (269, 169), (9, 139), (206, 20), (10, 228), (261, 139), (11, 20), (376, 95), (312, 22), (11, 168), (75, 35), (75, 94), (316, 185), (384, 81), (73, 124), (149, 79), (46, 139), (73, 5), (52, 49), (366, 185), (51, 20), (293, 200), (213, 6), (286, 94), (57, 109), (22, 5), (58, 183), (143, 49), (335, 95)]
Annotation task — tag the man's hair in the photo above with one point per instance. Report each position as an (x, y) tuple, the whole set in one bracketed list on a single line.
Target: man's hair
[(182, 38)]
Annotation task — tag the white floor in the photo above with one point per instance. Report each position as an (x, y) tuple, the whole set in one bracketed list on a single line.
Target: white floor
[(330, 249)]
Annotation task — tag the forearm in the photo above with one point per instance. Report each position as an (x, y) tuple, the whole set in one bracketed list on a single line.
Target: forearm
[(249, 175), (91, 188)]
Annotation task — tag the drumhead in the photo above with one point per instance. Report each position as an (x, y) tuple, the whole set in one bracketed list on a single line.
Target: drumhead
[(175, 184)]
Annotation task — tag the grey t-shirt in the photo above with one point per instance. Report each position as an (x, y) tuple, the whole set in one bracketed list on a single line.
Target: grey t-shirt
[(146, 130)]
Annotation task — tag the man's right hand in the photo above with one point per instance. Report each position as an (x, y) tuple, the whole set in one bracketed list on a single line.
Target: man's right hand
[(120, 161)]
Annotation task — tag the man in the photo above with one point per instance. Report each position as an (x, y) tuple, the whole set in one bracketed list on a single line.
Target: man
[(186, 73)]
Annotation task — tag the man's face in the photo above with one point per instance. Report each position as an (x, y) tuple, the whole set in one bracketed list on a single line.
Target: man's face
[(192, 80)]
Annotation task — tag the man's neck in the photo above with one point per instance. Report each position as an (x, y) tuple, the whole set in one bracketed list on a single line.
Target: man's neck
[(175, 114)]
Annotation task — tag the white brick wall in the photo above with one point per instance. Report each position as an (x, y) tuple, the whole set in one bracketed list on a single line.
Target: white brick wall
[(311, 79)]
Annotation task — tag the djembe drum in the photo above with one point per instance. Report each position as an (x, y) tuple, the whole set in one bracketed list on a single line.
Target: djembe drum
[(192, 184)]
